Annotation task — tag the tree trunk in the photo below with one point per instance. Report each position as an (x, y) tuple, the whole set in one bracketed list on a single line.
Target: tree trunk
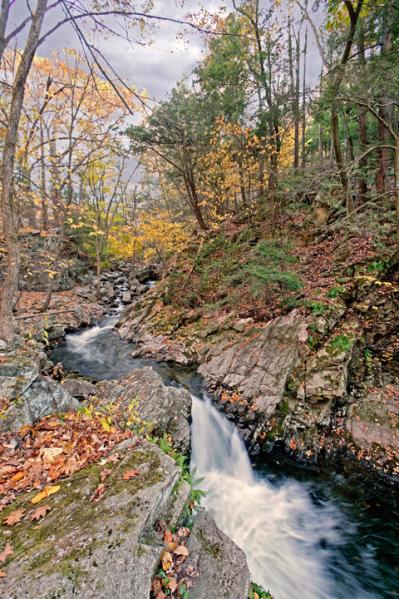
[(396, 170), (297, 100), (4, 13), (362, 120), (303, 140), (11, 281)]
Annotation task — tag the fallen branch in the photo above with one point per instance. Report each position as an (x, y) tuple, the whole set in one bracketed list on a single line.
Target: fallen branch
[(42, 314)]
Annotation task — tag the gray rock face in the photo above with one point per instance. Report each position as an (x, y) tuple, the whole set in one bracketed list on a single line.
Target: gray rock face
[(79, 387), (27, 395), (222, 565), (103, 549), (165, 409), (42, 398), (258, 368)]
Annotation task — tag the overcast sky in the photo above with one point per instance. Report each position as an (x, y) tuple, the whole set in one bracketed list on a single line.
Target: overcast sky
[(157, 66)]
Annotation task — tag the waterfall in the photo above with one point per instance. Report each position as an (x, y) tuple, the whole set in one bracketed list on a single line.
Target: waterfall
[(289, 541)]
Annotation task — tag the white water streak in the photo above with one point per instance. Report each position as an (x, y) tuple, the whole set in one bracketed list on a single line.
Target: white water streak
[(287, 539)]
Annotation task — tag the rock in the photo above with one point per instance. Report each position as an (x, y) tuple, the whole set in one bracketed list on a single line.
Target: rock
[(41, 398), (165, 409), (373, 419), (107, 291), (126, 297), (158, 348), (222, 565), (17, 374), (242, 324), (105, 549), (326, 375), (79, 387), (257, 368), (3, 345), (147, 273), (85, 292)]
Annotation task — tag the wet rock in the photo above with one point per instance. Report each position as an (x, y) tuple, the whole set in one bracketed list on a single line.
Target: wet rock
[(126, 297), (165, 409), (222, 565), (257, 368), (104, 549), (79, 387), (147, 273), (107, 291)]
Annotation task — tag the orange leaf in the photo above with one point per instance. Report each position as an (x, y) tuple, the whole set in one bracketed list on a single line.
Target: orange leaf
[(98, 493), (40, 512), (14, 517), (47, 491), (168, 537), (7, 551), (17, 476), (167, 561), (130, 474), (3, 574), (172, 584)]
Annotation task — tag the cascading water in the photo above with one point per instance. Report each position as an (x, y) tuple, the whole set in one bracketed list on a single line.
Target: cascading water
[(289, 542), (303, 540)]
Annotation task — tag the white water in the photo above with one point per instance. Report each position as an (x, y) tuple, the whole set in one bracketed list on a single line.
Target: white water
[(290, 543)]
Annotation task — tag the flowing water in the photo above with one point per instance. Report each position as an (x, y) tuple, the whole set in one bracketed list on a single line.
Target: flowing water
[(305, 537)]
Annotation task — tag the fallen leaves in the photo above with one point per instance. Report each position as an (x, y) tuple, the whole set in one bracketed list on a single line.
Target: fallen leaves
[(7, 551), (47, 491), (40, 512), (98, 493), (176, 574), (54, 448), (129, 474), (14, 517)]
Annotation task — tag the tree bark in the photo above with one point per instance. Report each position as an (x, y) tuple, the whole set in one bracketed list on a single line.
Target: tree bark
[(4, 13), (362, 120), (11, 282)]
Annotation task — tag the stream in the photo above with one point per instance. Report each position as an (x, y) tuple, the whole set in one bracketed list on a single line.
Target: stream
[(306, 534)]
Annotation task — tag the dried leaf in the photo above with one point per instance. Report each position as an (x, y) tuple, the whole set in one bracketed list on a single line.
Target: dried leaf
[(104, 474), (51, 453), (130, 474), (40, 512), (47, 491), (172, 584), (166, 560), (17, 476), (98, 493), (181, 550), (14, 517), (168, 537), (7, 551), (3, 574)]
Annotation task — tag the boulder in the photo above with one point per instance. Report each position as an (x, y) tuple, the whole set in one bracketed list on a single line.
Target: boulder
[(257, 368), (221, 564), (105, 549), (79, 387), (42, 398), (164, 409)]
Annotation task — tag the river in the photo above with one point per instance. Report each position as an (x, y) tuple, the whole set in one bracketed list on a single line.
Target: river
[(306, 534)]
